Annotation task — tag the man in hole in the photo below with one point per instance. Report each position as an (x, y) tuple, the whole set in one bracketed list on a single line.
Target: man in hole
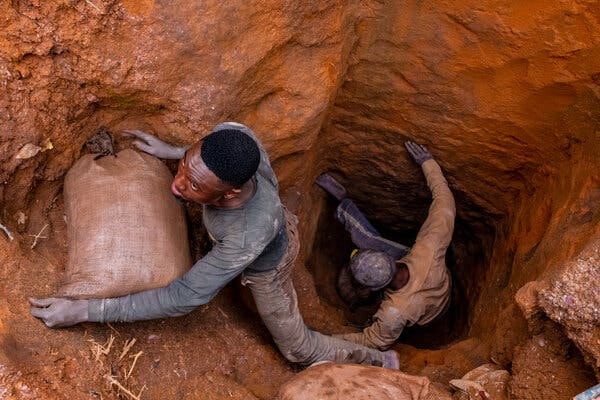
[(416, 281), (253, 234)]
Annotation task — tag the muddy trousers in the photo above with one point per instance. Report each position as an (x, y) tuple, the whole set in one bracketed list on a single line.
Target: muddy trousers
[(277, 304)]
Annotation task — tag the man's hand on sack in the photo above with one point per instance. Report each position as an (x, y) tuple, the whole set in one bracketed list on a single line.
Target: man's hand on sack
[(153, 145), (418, 152), (59, 312)]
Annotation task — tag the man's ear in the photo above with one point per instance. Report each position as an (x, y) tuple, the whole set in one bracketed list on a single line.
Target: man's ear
[(232, 193)]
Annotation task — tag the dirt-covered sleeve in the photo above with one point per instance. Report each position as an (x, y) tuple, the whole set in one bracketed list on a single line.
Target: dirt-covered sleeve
[(388, 324), (437, 230), (198, 286)]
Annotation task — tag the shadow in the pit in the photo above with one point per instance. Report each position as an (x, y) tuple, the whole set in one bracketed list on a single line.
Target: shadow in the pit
[(465, 259)]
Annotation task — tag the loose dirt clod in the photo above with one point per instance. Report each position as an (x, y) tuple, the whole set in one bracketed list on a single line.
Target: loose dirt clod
[(101, 143), (27, 151)]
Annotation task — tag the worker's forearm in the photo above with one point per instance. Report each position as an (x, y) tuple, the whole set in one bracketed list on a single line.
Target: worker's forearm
[(198, 286), (358, 338), (388, 324), (437, 182), (370, 337), (436, 231), (150, 304)]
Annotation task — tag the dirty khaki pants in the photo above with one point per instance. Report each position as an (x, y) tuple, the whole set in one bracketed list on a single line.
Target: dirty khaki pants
[(277, 304)]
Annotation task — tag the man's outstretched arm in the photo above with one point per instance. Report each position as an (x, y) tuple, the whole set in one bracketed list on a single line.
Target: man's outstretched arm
[(198, 286), (388, 324), (436, 231)]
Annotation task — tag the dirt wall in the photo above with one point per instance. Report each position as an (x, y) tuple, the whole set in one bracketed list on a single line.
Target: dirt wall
[(505, 94), (508, 103)]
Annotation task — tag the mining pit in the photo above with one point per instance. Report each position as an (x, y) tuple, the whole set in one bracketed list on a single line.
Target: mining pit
[(505, 94)]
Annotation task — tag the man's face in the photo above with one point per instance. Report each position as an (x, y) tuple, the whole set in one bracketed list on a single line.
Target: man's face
[(195, 182)]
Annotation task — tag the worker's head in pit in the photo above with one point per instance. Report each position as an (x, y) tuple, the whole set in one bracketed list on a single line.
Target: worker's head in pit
[(218, 168), (373, 269)]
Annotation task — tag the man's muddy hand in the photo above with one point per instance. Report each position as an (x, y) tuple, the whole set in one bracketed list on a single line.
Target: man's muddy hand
[(418, 152), (152, 145), (59, 312)]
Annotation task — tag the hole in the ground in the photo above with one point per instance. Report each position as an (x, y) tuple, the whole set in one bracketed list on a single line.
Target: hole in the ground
[(465, 259)]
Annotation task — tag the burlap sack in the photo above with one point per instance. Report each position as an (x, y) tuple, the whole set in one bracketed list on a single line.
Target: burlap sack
[(359, 382), (127, 232)]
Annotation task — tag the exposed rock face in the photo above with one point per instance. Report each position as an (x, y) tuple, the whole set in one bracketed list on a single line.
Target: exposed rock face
[(505, 94), (574, 302)]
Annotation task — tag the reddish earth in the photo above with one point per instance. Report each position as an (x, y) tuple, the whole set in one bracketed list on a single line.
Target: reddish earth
[(505, 94)]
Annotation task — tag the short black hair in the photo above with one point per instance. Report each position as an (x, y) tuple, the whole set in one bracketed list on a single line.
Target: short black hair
[(231, 155)]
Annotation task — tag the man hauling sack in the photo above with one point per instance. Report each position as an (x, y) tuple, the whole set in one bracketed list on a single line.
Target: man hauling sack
[(229, 173)]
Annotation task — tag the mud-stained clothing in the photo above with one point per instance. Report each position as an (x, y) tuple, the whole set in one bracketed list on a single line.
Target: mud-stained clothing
[(427, 293), (251, 238), (277, 304)]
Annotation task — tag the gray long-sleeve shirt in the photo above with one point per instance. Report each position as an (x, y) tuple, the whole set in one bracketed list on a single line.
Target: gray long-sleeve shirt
[(251, 237)]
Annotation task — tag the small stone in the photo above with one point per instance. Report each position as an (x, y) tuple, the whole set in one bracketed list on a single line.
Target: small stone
[(47, 145), (21, 218), (28, 151), (569, 300)]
